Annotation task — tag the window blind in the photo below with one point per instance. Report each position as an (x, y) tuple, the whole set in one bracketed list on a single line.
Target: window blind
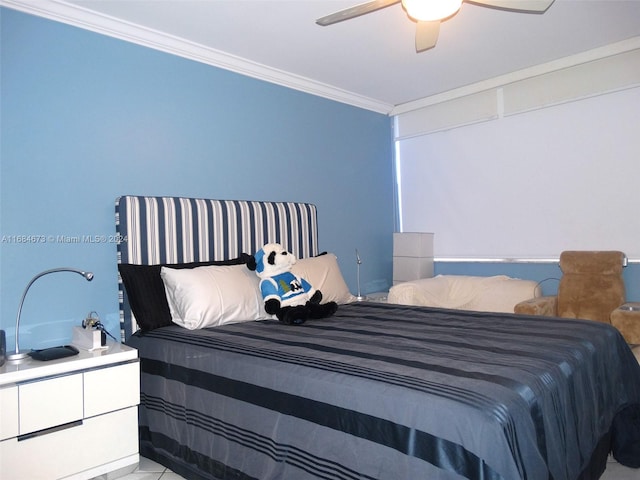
[(530, 185)]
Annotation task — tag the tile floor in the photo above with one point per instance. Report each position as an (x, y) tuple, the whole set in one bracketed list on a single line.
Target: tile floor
[(615, 471), (150, 470)]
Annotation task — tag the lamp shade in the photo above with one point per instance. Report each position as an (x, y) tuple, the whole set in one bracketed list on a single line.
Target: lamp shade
[(431, 10), (18, 355)]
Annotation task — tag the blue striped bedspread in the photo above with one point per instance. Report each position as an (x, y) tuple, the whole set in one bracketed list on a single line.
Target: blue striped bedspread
[(382, 391)]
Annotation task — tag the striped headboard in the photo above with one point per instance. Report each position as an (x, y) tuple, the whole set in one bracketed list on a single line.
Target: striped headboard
[(155, 230)]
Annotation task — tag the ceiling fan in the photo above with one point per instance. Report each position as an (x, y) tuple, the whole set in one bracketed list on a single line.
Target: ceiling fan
[(429, 13)]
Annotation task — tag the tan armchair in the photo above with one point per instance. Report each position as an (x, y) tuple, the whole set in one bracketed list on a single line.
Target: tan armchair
[(591, 287)]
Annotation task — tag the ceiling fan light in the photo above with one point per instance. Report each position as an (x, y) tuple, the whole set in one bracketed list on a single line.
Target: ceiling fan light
[(431, 10)]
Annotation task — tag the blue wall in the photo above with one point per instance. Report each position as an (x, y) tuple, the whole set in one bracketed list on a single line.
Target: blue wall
[(86, 118)]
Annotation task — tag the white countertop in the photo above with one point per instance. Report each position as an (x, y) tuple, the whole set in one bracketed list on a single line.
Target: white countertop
[(28, 369)]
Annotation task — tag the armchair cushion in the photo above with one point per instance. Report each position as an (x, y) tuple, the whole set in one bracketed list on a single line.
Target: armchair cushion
[(546, 306), (592, 285)]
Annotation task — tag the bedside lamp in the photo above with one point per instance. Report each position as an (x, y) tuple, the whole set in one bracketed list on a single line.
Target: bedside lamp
[(360, 297), (18, 355)]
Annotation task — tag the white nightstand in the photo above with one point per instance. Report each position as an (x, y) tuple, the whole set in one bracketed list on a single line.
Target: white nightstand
[(72, 418)]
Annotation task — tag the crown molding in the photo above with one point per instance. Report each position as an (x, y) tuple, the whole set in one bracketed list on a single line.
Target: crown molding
[(86, 19)]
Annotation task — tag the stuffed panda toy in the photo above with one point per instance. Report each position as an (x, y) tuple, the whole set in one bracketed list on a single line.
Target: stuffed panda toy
[(290, 298)]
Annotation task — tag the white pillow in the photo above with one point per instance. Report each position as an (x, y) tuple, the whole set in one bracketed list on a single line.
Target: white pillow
[(323, 273), (213, 295)]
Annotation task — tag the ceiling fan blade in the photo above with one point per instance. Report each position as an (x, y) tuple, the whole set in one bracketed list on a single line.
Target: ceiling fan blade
[(354, 12), (530, 6), (426, 35)]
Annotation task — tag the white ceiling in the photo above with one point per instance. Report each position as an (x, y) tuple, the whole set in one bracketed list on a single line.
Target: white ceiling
[(370, 59)]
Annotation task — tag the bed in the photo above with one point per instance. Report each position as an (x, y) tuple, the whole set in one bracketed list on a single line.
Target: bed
[(377, 391)]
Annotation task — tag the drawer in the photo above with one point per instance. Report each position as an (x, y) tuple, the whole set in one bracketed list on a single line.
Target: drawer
[(8, 412), (113, 388), (95, 442), (49, 403)]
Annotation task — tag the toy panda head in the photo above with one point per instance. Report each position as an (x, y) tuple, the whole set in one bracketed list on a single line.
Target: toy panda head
[(273, 259)]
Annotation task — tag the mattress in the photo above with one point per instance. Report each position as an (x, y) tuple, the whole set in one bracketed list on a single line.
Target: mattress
[(385, 391)]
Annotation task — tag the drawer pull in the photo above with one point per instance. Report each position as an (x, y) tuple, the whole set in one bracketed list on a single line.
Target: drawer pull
[(47, 431)]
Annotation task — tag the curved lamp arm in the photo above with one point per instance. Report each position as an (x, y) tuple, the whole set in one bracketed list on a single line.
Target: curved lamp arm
[(18, 355)]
